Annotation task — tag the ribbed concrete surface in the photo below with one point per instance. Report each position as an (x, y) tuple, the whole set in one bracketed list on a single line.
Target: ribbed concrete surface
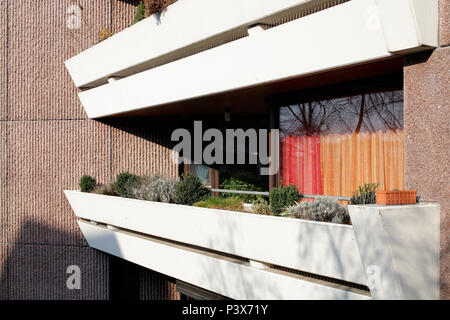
[(3, 172), (46, 157), (47, 144), (156, 287), (3, 273), (40, 272), (39, 43), (427, 139), (3, 58), (123, 13), (142, 147)]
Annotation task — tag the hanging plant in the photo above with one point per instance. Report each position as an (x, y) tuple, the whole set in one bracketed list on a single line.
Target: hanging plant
[(156, 6)]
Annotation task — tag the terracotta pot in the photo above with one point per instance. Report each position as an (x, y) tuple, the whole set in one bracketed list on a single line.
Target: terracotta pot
[(396, 197)]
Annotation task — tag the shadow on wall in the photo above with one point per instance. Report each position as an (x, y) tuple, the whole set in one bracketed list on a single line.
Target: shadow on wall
[(142, 145), (39, 272)]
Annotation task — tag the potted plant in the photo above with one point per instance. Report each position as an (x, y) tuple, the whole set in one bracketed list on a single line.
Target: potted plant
[(396, 197)]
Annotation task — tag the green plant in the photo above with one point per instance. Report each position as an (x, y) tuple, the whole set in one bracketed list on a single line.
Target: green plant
[(140, 13), (221, 203), (282, 197), (107, 189), (261, 206), (324, 209), (242, 185), (104, 34), (155, 188), (125, 183), (190, 190), (365, 194), (87, 183)]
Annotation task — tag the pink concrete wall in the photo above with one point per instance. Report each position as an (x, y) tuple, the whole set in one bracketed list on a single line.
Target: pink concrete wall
[(427, 132), (47, 143), (427, 139)]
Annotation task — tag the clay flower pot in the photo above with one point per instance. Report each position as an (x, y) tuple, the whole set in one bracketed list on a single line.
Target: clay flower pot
[(396, 197)]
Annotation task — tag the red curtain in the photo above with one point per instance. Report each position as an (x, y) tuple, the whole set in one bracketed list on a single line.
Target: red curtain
[(337, 164), (301, 163)]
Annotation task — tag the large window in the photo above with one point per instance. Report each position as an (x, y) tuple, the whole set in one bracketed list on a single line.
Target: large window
[(332, 146)]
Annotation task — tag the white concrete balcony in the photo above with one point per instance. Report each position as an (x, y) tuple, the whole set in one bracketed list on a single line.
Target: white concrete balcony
[(249, 256), (352, 33), (186, 27)]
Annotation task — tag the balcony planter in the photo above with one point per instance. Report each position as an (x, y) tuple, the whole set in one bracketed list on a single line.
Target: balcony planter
[(321, 248), (249, 256), (396, 197)]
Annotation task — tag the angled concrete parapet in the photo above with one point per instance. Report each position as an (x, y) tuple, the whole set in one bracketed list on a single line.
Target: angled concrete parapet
[(399, 247)]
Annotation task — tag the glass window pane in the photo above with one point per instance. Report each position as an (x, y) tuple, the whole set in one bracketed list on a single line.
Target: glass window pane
[(332, 146)]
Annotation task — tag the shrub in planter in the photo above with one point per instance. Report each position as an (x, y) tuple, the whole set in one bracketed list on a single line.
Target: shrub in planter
[(155, 188), (283, 197), (140, 13), (221, 203), (261, 206), (365, 194), (107, 189), (156, 6), (190, 190), (125, 183), (87, 183), (239, 184), (323, 209)]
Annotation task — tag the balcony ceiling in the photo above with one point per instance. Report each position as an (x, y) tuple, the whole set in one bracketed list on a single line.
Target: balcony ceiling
[(252, 101)]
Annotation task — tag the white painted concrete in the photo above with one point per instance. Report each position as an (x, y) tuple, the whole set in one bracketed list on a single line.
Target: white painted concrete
[(321, 248), (226, 277), (355, 32), (402, 242), (183, 25), (409, 24), (398, 245)]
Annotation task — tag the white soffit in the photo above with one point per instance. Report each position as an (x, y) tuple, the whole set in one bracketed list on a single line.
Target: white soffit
[(227, 277)]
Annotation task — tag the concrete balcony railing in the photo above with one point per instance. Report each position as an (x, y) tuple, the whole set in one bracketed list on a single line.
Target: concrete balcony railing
[(354, 32), (186, 27), (249, 256)]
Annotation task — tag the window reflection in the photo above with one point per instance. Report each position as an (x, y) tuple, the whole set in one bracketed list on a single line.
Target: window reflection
[(332, 146)]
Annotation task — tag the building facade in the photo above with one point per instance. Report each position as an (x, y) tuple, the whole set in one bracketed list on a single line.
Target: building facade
[(51, 136)]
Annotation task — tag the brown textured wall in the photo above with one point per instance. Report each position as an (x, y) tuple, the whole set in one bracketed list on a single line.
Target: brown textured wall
[(142, 146), (155, 287), (3, 265), (444, 25), (46, 157), (39, 272), (39, 42), (427, 138), (3, 58), (47, 143), (3, 159)]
